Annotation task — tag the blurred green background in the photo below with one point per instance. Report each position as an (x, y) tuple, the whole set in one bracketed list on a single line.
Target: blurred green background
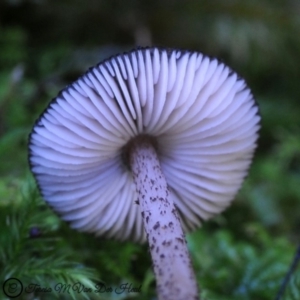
[(242, 254)]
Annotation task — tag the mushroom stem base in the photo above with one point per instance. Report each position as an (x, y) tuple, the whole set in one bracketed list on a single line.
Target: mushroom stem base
[(175, 277)]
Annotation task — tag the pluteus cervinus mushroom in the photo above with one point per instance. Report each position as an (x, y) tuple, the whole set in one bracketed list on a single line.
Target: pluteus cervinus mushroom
[(146, 146)]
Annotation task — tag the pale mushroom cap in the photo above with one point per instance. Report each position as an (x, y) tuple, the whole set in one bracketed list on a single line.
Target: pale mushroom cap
[(202, 114)]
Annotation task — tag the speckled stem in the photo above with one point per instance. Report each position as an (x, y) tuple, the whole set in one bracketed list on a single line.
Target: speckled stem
[(175, 278)]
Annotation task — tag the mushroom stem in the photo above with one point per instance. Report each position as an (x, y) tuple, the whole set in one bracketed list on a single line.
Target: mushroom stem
[(175, 277)]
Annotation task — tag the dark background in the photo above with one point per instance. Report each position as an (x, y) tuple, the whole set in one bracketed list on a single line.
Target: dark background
[(44, 45)]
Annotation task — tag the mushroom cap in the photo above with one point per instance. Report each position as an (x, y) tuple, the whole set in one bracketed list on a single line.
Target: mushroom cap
[(201, 113)]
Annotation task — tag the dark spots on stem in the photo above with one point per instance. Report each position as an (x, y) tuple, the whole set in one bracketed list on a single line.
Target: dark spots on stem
[(166, 243), (156, 225), (180, 240)]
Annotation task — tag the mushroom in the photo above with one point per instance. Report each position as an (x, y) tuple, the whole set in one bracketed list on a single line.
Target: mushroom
[(147, 145)]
